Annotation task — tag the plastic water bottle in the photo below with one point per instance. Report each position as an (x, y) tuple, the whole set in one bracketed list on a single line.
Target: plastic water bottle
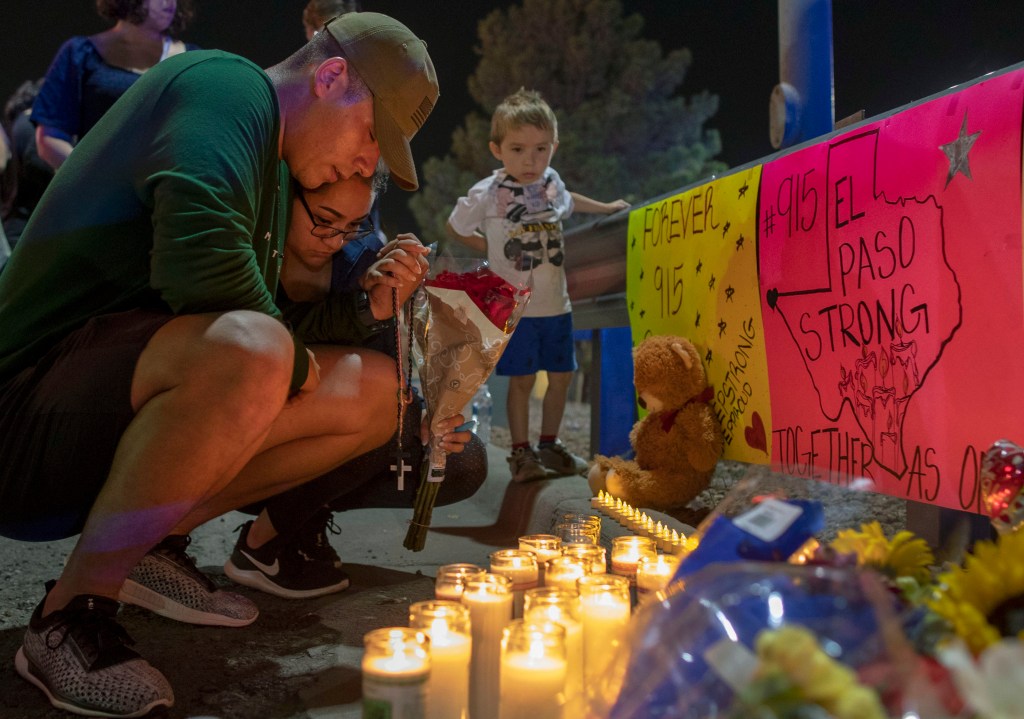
[(481, 410)]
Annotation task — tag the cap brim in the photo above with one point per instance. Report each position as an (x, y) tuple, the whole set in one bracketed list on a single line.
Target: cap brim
[(394, 148)]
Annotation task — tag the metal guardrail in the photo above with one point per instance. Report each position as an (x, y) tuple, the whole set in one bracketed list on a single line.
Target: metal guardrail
[(596, 272), (596, 277)]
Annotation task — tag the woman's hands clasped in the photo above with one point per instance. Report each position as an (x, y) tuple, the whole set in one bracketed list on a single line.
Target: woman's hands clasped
[(402, 265)]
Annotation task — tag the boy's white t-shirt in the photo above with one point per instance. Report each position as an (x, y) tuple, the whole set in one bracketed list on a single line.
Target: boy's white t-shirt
[(523, 227)]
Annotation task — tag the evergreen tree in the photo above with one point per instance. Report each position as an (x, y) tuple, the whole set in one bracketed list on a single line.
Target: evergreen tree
[(624, 131)]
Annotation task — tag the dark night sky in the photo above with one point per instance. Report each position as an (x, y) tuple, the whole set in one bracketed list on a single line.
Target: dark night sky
[(887, 53)]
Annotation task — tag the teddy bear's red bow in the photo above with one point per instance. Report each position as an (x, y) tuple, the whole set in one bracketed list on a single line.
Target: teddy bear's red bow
[(669, 418)]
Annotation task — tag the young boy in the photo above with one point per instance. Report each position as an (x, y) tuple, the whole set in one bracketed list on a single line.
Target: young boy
[(519, 212)]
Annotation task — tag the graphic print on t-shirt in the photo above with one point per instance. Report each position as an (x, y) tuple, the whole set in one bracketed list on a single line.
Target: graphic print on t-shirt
[(532, 223)]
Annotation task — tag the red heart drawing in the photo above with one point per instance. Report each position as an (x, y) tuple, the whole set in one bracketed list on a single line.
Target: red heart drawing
[(755, 434)]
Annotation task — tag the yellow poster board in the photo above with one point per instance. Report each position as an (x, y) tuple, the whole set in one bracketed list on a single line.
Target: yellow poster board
[(692, 271)]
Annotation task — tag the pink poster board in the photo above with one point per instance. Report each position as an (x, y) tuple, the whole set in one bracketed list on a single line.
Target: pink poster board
[(878, 331), (890, 277)]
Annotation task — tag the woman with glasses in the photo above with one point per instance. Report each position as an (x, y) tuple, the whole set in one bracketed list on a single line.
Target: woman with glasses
[(323, 225)]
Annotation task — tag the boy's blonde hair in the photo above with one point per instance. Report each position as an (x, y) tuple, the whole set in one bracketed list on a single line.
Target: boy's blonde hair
[(523, 107)]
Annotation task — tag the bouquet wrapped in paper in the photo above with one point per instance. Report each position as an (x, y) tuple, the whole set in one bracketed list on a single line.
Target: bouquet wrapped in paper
[(462, 320)]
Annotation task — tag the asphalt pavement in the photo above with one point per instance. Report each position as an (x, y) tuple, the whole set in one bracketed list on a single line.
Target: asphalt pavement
[(300, 659)]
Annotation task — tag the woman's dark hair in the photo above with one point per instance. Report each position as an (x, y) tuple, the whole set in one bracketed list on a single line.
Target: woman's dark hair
[(134, 12), (318, 12)]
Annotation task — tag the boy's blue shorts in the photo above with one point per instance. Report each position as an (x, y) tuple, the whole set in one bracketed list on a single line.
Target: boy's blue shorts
[(540, 343)]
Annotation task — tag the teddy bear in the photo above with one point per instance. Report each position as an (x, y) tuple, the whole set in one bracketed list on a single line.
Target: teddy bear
[(678, 443)]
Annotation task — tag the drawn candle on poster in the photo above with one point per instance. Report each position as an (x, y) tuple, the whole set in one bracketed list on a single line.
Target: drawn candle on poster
[(692, 271)]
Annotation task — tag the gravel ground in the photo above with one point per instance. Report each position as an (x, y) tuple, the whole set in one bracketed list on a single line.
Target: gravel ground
[(735, 484)]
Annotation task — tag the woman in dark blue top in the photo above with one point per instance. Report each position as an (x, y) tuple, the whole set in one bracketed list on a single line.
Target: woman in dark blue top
[(90, 73)]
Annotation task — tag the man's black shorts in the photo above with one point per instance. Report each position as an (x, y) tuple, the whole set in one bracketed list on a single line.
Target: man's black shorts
[(61, 421)]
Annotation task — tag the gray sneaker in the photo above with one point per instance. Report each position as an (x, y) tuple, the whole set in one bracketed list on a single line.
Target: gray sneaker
[(78, 656), (525, 465), (168, 583), (557, 457)]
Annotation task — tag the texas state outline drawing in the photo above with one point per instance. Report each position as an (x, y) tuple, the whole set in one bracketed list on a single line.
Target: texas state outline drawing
[(877, 303)]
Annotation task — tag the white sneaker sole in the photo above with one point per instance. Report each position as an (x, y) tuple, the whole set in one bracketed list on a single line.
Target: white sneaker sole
[(24, 668), (134, 593), (258, 580)]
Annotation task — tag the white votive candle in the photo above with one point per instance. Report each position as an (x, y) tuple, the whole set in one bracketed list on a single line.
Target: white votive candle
[(544, 547), (533, 671), (551, 604), (447, 626), (626, 552), (592, 553), (521, 569), (654, 573), (605, 612), (396, 666), (562, 572), (489, 600), (452, 578)]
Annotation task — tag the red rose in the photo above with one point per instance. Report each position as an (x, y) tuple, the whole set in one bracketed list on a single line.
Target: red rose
[(495, 297)]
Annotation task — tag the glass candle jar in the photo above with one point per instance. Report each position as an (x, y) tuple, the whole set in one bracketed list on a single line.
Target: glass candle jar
[(626, 553), (396, 666), (562, 572), (605, 613), (592, 553), (573, 527), (551, 604), (533, 671), (653, 574), (489, 600), (544, 547), (521, 568), (446, 624), (452, 578)]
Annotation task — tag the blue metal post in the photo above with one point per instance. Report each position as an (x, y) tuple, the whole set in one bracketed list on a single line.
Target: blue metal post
[(614, 393), (802, 105)]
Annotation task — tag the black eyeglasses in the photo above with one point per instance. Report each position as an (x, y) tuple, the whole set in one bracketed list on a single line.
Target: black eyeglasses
[(326, 232)]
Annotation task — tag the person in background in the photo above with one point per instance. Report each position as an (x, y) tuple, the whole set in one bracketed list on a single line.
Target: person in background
[(5, 161), (323, 222), (89, 74), (318, 12), (518, 212), (27, 175), (148, 383)]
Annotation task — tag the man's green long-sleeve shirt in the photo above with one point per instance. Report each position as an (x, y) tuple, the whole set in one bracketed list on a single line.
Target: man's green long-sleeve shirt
[(176, 200)]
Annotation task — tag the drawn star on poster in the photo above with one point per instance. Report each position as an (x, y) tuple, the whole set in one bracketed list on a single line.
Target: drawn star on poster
[(957, 151), (689, 273)]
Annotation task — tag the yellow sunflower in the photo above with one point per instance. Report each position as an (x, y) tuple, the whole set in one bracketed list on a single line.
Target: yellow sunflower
[(905, 555), (984, 599)]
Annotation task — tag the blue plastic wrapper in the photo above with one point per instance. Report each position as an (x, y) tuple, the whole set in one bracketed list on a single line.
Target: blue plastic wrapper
[(691, 651), (771, 531)]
